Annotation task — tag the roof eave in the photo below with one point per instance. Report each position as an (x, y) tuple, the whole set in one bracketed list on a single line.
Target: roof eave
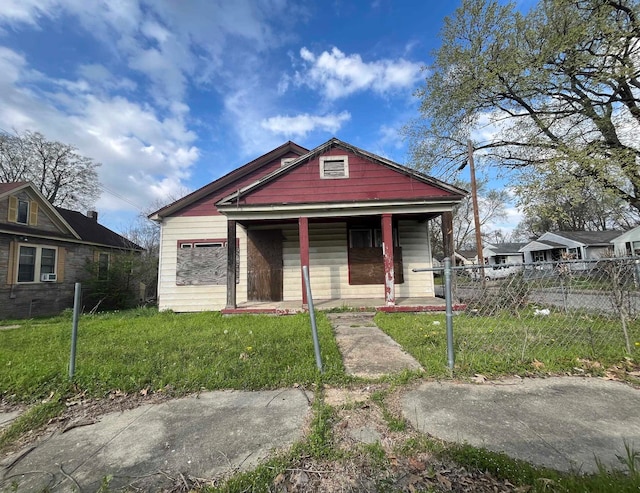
[(230, 177)]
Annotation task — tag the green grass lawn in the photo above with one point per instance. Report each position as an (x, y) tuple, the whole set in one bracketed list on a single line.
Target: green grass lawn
[(144, 349), (506, 344)]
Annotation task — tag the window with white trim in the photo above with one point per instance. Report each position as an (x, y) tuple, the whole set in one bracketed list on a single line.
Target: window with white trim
[(204, 261), (334, 167), (538, 256), (575, 253), (36, 263), (182, 244), (286, 160), (23, 212)]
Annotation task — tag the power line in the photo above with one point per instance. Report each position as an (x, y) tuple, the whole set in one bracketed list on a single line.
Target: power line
[(117, 195)]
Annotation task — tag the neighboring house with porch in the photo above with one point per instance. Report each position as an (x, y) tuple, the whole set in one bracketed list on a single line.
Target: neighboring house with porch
[(466, 257), (358, 221), (503, 253), (44, 251), (627, 244), (576, 245)]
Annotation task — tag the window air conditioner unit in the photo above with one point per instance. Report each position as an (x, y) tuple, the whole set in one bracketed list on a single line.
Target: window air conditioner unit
[(48, 277)]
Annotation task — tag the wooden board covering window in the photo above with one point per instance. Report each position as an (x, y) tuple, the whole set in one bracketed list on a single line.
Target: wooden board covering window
[(366, 266), (264, 265)]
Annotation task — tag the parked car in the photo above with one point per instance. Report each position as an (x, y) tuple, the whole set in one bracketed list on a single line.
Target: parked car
[(498, 271), (495, 271)]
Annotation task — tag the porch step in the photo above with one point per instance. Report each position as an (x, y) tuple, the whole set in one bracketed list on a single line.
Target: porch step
[(367, 352)]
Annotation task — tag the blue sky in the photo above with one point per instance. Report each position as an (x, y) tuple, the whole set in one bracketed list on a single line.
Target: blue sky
[(172, 94)]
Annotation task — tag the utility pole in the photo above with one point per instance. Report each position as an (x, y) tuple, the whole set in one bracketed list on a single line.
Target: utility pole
[(476, 213)]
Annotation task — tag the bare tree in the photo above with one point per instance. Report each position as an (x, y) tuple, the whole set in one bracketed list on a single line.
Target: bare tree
[(65, 178)]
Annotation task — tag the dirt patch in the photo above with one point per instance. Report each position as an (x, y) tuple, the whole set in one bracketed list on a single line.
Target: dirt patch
[(365, 465), (348, 396)]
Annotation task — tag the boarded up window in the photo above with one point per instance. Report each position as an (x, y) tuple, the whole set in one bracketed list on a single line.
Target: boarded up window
[(204, 263), (366, 266), (333, 167)]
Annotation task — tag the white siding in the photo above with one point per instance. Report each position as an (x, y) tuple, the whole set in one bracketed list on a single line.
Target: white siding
[(329, 269), (416, 253), (195, 298), (327, 258)]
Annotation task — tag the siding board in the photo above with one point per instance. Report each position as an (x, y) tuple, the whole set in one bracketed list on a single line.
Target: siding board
[(367, 181)]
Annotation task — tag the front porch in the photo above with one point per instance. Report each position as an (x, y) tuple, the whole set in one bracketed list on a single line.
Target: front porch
[(412, 304)]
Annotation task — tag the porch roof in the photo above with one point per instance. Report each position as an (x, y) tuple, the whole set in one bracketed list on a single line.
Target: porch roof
[(539, 245), (336, 209)]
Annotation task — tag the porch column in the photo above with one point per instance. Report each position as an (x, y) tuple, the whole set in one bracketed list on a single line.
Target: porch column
[(231, 264), (303, 226), (447, 236), (387, 254)]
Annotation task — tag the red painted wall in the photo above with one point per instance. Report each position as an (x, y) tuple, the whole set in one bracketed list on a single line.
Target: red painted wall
[(206, 205), (367, 181)]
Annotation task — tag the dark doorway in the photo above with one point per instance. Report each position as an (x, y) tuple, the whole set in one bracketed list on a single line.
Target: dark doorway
[(264, 265)]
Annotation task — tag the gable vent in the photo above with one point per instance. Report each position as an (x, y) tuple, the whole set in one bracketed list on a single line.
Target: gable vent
[(333, 167)]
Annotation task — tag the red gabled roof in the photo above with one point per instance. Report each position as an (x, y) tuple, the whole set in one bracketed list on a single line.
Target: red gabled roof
[(374, 178), (226, 180)]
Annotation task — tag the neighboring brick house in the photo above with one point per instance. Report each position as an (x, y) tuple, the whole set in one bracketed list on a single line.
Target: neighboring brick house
[(358, 221), (44, 251)]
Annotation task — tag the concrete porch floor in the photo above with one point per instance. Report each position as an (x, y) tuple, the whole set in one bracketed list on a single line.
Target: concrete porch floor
[(414, 304)]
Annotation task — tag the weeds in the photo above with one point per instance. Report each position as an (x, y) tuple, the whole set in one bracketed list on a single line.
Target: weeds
[(32, 419)]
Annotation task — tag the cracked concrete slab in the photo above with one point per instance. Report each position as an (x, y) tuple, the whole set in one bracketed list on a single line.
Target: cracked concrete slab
[(203, 436), (562, 423)]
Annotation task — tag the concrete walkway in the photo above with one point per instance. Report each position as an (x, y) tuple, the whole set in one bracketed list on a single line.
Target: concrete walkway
[(147, 448), (368, 352)]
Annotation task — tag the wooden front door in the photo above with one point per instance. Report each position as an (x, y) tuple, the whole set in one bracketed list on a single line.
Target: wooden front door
[(264, 265)]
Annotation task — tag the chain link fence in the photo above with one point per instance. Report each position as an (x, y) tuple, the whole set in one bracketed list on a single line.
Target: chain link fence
[(548, 316)]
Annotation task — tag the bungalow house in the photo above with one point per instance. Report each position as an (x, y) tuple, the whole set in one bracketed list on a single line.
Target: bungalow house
[(44, 251), (576, 245), (627, 244), (358, 221), (503, 253), (466, 257)]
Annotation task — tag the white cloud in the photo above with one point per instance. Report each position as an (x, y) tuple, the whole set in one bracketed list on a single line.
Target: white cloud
[(337, 75), (300, 126), (26, 11), (136, 146), (158, 51)]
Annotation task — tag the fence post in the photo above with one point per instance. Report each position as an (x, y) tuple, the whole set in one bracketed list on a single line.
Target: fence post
[(312, 315), (449, 307), (74, 329)]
